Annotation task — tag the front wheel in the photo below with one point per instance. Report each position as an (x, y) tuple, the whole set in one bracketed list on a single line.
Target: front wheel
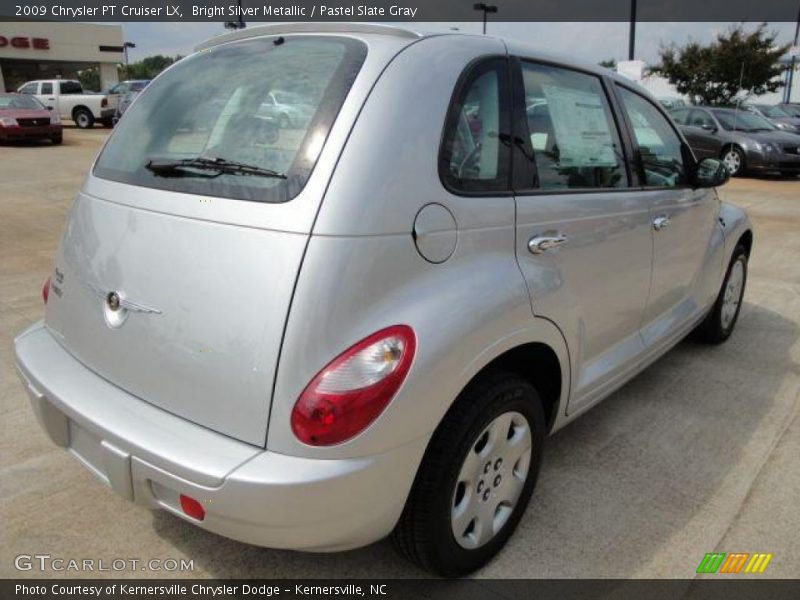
[(477, 477), (734, 160), (718, 325)]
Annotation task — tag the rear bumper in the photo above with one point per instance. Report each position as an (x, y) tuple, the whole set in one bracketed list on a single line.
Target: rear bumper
[(150, 456), (28, 133)]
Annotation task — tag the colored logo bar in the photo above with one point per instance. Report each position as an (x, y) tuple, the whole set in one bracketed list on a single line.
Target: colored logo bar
[(733, 562)]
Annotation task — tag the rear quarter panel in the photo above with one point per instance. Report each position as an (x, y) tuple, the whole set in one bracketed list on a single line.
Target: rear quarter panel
[(362, 271)]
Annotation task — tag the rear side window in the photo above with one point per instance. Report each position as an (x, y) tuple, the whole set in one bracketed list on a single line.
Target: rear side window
[(680, 116), (572, 132), (213, 108), (474, 156), (70, 87), (47, 88)]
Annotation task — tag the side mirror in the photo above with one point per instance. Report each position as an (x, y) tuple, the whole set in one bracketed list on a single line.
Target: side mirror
[(711, 172)]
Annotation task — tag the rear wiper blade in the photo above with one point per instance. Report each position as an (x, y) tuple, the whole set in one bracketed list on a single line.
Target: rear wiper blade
[(185, 167)]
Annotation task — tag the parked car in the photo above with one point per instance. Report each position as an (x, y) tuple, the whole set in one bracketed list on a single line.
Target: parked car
[(67, 99), (745, 141), (24, 118), (287, 109), (118, 93), (123, 105), (792, 109), (777, 116), (336, 340)]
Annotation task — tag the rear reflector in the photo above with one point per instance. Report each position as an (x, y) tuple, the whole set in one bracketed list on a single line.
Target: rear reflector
[(46, 290), (192, 508)]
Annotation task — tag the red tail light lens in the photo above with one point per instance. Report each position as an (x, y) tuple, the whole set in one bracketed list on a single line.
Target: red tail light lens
[(192, 508), (349, 394), (46, 290)]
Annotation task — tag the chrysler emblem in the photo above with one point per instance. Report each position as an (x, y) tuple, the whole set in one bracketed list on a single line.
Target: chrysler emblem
[(112, 300)]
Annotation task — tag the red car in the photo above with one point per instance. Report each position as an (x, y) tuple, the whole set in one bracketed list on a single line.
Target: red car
[(23, 117)]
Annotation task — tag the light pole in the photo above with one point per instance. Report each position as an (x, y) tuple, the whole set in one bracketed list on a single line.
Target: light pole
[(486, 8), (125, 46), (239, 23), (632, 32), (792, 62)]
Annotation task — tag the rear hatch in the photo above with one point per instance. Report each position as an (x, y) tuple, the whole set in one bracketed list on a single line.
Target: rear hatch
[(175, 274)]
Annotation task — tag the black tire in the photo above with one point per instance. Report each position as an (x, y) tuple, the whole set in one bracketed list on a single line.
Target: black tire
[(424, 533), (83, 118), (742, 162), (57, 139), (713, 330)]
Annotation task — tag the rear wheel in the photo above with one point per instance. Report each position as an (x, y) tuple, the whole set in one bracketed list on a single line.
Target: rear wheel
[(734, 160), (83, 118), (718, 325), (476, 478)]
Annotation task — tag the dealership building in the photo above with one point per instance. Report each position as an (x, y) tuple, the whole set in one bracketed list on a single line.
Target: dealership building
[(46, 50)]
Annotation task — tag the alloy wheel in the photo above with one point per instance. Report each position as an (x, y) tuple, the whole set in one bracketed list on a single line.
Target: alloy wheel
[(733, 161)]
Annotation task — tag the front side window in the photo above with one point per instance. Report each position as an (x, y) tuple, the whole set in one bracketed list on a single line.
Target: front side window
[(28, 88), (473, 157), (572, 132), (207, 127), (660, 148)]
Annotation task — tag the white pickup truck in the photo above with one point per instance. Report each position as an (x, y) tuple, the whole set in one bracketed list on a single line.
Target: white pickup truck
[(67, 98)]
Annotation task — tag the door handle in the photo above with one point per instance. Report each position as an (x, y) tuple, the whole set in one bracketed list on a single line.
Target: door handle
[(660, 223), (542, 243)]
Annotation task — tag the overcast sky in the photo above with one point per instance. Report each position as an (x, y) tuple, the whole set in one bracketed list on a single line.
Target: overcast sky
[(588, 41)]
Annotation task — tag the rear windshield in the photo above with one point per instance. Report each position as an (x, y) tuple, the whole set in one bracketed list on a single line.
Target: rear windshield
[(210, 125), (21, 102)]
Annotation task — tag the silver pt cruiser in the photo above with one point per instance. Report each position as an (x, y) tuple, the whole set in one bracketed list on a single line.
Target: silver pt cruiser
[(314, 335)]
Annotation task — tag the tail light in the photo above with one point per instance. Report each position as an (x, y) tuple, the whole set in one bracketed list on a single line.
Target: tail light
[(352, 390), (103, 102), (46, 290)]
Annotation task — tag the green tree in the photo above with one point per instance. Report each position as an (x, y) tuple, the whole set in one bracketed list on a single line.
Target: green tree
[(147, 68), (90, 79), (609, 63), (736, 65)]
